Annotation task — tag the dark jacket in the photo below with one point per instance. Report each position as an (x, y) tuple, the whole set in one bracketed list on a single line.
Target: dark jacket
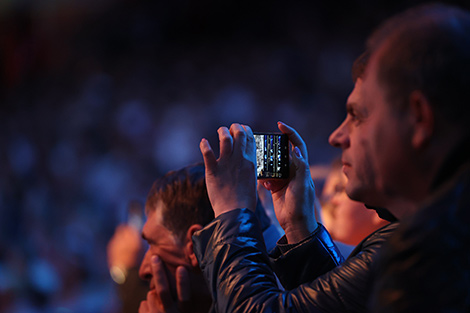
[(426, 265), (231, 253)]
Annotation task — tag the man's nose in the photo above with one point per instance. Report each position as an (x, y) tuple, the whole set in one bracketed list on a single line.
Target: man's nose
[(338, 137)]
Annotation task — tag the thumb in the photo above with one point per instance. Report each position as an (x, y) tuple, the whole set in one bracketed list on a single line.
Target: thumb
[(297, 158), (300, 164), (210, 162)]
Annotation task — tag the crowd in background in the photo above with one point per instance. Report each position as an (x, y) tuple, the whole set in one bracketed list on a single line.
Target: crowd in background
[(99, 98)]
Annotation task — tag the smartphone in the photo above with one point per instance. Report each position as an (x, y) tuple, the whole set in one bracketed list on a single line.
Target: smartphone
[(272, 155)]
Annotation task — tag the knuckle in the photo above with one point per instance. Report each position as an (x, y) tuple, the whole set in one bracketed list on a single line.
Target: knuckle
[(206, 152), (240, 134), (225, 139)]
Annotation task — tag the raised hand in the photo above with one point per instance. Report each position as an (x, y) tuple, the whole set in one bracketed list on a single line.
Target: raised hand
[(125, 247), (231, 179), (159, 298), (294, 198)]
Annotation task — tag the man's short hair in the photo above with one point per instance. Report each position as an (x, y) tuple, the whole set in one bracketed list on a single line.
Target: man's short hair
[(427, 49), (359, 66), (183, 194)]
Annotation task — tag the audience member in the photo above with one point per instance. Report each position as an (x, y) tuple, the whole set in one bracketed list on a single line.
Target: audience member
[(125, 251), (306, 260), (418, 78), (176, 207), (401, 142)]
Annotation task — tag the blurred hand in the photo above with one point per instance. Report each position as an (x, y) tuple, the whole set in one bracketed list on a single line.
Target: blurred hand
[(294, 198), (125, 247), (231, 179), (159, 299)]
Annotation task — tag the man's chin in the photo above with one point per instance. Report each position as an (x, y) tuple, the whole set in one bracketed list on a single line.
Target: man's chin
[(367, 197), (357, 194)]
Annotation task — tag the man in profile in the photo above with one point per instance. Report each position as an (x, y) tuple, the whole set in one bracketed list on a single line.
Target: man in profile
[(404, 147)]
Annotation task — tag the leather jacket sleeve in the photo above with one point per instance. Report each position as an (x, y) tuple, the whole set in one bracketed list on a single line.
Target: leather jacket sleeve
[(231, 253), (305, 261)]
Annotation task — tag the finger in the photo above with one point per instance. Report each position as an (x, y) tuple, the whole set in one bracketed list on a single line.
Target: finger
[(239, 138), (274, 185), (250, 141), (162, 287), (294, 137), (225, 142), (263, 194), (210, 161), (182, 284), (153, 303), (300, 163), (265, 197), (144, 307)]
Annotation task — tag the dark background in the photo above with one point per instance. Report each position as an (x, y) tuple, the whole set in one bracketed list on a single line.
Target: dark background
[(99, 98)]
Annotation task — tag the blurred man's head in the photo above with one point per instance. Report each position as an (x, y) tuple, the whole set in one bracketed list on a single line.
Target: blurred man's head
[(407, 114), (176, 207)]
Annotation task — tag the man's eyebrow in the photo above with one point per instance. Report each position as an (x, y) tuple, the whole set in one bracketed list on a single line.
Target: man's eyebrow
[(356, 108)]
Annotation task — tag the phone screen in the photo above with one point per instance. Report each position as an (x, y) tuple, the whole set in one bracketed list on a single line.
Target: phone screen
[(272, 155)]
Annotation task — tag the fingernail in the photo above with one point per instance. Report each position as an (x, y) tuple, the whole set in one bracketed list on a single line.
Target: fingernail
[(267, 185), (155, 259), (297, 152), (204, 145)]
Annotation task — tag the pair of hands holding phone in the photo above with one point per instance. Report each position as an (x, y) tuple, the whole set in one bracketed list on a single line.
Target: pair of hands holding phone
[(231, 180)]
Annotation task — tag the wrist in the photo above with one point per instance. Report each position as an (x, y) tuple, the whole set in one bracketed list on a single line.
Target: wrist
[(219, 210), (299, 233)]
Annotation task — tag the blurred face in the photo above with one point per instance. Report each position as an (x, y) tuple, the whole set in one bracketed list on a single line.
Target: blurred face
[(346, 220), (163, 243), (372, 140)]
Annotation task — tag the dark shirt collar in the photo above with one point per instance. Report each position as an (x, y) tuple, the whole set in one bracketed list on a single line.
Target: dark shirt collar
[(383, 214), (459, 156)]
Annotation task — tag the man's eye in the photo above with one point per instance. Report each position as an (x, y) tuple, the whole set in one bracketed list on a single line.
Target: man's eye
[(352, 115)]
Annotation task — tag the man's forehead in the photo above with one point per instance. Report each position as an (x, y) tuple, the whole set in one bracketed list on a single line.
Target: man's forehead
[(152, 205), (156, 232), (370, 80), (154, 228), (370, 72), (356, 94)]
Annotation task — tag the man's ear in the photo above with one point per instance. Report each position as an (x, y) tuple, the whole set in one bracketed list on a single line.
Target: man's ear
[(188, 245), (423, 119)]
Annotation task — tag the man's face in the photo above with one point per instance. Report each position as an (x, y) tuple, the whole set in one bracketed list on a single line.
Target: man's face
[(372, 140), (166, 245), (174, 252)]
